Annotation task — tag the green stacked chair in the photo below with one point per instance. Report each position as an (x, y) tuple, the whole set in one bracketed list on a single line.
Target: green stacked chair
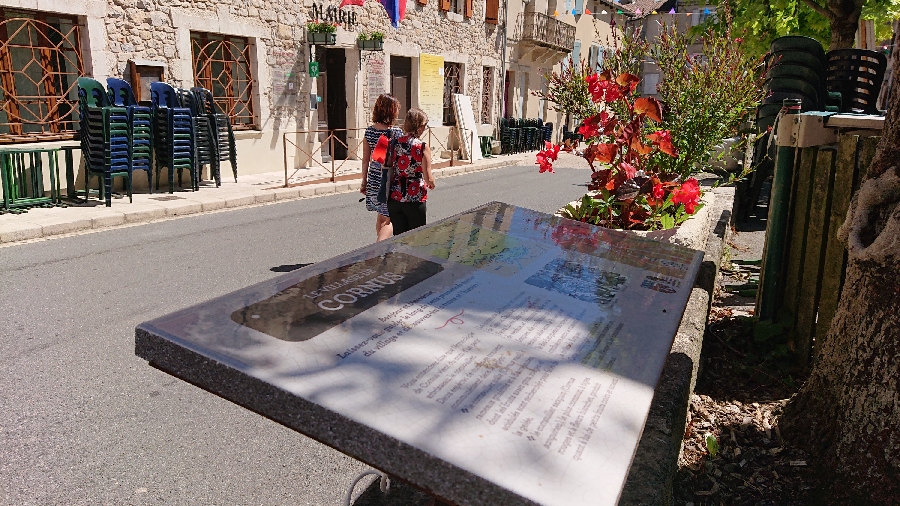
[(104, 138)]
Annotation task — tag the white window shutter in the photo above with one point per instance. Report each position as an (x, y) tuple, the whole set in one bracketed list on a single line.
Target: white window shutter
[(576, 53), (579, 7)]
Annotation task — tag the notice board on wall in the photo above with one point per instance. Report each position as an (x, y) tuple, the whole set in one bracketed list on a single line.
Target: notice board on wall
[(431, 87)]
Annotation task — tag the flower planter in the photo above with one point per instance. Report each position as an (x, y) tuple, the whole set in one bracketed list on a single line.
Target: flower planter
[(321, 39), (370, 45), (690, 234)]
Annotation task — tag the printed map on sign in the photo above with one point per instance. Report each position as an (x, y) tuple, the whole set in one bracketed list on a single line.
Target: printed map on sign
[(468, 244)]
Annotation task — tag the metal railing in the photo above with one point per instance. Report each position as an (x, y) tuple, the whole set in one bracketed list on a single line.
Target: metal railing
[(546, 31), (333, 138)]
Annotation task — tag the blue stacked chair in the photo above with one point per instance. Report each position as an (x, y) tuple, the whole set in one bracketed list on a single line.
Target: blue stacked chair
[(548, 133), (172, 135), (140, 134), (221, 125), (204, 136), (104, 138)]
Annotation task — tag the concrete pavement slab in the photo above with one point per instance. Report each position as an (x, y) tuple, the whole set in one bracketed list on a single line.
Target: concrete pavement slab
[(263, 196), (240, 201), (12, 231), (182, 207), (102, 219), (286, 193), (143, 212)]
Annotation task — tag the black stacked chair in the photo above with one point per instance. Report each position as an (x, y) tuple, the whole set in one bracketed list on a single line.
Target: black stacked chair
[(173, 138), (104, 138), (204, 136), (224, 145), (548, 132), (857, 75), (795, 69), (140, 137)]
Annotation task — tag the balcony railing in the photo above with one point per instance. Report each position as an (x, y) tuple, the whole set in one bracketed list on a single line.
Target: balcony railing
[(543, 30)]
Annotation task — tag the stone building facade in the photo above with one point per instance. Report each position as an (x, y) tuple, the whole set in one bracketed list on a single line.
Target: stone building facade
[(264, 71)]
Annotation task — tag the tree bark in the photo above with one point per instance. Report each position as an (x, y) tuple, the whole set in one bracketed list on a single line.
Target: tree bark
[(844, 21), (847, 415)]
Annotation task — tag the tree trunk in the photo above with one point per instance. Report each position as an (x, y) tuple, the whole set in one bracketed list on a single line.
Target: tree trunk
[(844, 22), (847, 415)]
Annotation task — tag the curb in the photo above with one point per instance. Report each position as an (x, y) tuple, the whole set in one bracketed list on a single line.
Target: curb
[(655, 461), (46, 227)]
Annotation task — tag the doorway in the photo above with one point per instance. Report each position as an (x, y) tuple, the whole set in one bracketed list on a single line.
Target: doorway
[(333, 90), (401, 84)]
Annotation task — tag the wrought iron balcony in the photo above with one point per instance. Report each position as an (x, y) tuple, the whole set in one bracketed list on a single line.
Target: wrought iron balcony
[(546, 31)]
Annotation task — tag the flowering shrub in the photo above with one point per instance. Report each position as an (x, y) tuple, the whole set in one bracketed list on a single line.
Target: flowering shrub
[(628, 189)]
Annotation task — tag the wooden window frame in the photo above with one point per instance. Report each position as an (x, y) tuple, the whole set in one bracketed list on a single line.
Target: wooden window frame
[(203, 46), (58, 122), (453, 75)]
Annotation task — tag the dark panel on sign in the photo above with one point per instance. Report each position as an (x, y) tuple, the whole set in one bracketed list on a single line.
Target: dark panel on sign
[(314, 305)]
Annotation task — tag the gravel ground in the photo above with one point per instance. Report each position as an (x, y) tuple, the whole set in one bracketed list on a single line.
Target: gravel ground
[(733, 453)]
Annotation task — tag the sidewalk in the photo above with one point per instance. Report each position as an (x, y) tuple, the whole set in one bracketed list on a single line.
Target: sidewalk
[(250, 190)]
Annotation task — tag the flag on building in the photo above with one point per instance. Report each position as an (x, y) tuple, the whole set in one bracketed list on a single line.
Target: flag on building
[(396, 9)]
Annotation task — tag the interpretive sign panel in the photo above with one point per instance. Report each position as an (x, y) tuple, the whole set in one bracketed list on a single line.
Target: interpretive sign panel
[(500, 356)]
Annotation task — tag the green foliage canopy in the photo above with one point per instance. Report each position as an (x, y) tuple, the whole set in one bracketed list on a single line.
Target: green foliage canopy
[(759, 22)]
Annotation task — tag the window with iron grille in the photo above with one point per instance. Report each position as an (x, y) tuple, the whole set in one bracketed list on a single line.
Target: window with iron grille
[(222, 65), (487, 93), (452, 84), (40, 62)]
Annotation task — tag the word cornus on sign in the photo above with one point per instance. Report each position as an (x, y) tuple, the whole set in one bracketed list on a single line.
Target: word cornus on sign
[(359, 291)]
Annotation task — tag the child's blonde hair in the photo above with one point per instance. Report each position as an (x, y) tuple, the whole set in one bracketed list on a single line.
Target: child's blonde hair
[(415, 119)]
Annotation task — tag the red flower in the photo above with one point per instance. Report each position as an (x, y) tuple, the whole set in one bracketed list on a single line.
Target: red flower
[(396, 195), (602, 89), (547, 155), (739, 40), (413, 188), (688, 194), (663, 139), (658, 192), (589, 129)]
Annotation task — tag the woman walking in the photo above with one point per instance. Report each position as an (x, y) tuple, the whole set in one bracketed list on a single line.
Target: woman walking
[(411, 176), (383, 115)]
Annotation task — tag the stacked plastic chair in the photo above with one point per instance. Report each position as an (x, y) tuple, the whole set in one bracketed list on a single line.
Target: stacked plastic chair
[(224, 145), (857, 75), (548, 132), (104, 138), (173, 137), (140, 134), (795, 69), (204, 140)]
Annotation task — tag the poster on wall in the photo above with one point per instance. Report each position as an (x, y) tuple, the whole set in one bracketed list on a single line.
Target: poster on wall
[(374, 82), (515, 349), (431, 87)]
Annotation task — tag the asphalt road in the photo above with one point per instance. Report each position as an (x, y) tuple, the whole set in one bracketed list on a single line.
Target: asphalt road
[(85, 421)]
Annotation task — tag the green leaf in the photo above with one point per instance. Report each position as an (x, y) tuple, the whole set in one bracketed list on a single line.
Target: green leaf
[(712, 445), (666, 221)]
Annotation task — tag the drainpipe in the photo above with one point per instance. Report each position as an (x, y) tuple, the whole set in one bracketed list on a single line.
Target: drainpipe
[(501, 84)]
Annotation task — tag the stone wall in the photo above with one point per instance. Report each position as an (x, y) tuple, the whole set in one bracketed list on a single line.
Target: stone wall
[(147, 30)]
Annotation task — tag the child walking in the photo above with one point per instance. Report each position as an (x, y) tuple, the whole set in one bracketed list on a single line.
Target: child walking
[(383, 115), (412, 175)]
